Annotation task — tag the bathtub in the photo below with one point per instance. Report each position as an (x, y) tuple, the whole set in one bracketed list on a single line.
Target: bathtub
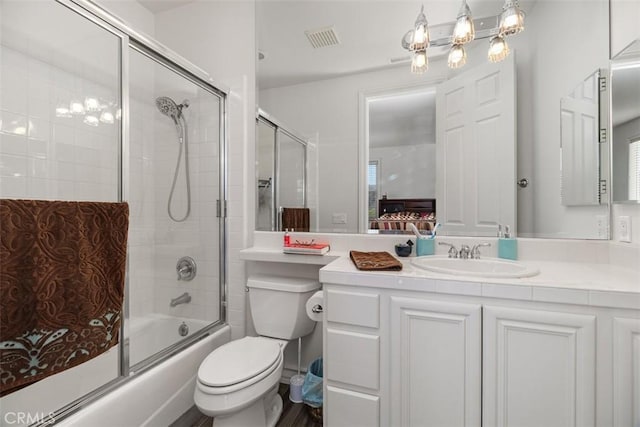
[(153, 398)]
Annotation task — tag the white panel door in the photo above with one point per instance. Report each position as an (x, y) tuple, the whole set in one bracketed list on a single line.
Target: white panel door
[(476, 150), (435, 363), (538, 368), (579, 124), (626, 372)]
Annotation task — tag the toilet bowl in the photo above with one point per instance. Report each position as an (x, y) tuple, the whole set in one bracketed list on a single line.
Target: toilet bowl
[(237, 383)]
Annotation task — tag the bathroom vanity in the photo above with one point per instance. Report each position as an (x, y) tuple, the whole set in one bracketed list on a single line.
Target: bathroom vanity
[(420, 348)]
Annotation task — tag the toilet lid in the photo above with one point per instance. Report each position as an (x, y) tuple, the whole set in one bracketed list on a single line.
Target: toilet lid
[(238, 361)]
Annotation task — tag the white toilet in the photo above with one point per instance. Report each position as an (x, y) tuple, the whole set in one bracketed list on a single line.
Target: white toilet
[(238, 382)]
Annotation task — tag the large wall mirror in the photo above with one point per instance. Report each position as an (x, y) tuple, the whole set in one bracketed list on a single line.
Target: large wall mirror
[(625, 113), (329, 95)]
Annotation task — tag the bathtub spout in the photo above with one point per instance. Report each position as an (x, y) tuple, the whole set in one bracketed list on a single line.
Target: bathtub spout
[(182, 299)]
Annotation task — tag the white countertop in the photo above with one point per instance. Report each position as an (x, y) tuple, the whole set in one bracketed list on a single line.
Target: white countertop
[(562, 282)]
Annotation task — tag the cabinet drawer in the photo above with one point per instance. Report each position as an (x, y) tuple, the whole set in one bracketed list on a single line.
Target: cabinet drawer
[(353, 308), (351, 409), (353, 358)]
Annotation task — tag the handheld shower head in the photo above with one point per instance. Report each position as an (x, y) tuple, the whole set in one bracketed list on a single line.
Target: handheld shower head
[(168, 107)]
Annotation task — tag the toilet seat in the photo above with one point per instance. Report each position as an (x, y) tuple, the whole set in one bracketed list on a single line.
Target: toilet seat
[(239, 364)]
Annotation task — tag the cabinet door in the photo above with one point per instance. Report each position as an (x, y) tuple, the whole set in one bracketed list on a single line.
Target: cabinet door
[(435, 363), (538, 368), (626, 372)]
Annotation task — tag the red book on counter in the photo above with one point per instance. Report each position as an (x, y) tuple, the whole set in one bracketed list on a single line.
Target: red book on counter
[(307, 248)]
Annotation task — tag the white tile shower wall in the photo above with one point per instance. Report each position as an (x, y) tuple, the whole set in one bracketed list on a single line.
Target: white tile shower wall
[(197, 236), (49, 157), (212, 41)]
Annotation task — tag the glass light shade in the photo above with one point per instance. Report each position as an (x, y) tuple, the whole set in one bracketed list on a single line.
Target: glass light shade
[(511, 19), (464, 31), (91, 104), (420, 62), (107, 117), (91, 120), (420, 37), (62, 110), (498, 49), (76, 107), (457, 56)]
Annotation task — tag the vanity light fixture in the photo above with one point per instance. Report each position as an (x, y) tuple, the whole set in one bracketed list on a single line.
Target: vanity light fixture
[(496, 28), (106, 116), (76, 107)]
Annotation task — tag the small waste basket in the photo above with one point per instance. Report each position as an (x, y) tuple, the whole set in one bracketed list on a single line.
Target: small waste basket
[(312, 388)]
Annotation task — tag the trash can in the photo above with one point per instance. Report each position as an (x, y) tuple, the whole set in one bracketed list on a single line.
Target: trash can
[(312, 389)]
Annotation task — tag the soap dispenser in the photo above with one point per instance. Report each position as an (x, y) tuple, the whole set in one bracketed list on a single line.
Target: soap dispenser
[(507, 245)]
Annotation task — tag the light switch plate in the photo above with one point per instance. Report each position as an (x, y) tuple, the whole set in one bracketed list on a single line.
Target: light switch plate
[(624, 229)]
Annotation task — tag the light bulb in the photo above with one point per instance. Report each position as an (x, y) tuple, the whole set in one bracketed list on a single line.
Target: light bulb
[(464, 31), (511, 19), (62, 110), (457, 56), (107, 117), (91, 104), (91, 120), (419, 63), (498, 49), (118, 114), (76, 107), (420, 37)]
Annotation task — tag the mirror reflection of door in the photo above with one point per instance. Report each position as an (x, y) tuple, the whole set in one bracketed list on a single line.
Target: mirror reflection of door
[(475, 150)]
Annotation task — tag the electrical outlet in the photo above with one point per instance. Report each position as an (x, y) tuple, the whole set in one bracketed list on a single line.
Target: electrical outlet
[(602, 226), (624, 229), (339, 218)]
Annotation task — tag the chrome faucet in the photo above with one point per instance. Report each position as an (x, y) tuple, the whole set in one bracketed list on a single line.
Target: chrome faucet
[(182, 299), (475, 252), (453, 252), (465, 251)]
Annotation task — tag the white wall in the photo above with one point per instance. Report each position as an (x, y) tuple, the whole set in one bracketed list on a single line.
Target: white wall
[(219, 37), (406, 171)]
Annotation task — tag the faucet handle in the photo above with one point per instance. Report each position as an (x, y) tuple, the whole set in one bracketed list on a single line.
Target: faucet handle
[(453, 252), (475, 252)]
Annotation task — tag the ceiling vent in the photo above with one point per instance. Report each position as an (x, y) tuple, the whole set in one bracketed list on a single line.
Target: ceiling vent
[(322, 37)]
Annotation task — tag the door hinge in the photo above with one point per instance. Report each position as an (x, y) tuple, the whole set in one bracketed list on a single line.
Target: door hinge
[(221, 208), (603, 135), (602, 83), (603, 186)]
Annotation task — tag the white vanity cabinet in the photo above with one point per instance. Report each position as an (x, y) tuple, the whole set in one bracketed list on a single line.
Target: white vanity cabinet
[(398, 357)]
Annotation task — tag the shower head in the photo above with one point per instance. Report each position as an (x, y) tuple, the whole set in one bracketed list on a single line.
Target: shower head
[(168, 107)]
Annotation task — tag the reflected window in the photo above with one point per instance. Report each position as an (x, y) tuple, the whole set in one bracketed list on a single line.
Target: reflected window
[(372, 179)]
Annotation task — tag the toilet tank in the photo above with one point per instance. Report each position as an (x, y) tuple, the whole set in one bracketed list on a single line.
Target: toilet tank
[(278, 305)]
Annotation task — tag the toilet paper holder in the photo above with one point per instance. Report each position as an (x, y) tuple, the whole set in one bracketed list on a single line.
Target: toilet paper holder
[(317, 308)]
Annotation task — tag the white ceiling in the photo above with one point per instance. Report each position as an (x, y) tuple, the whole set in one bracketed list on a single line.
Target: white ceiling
[(157, 6)]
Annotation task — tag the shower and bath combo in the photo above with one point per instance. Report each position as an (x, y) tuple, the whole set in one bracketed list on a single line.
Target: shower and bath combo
[(169, 108)]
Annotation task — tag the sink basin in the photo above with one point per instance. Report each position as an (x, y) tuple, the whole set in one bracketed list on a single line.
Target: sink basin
[(484, 267)]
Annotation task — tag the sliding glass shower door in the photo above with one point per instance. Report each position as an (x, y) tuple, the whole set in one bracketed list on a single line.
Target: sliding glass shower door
[(174, 183)]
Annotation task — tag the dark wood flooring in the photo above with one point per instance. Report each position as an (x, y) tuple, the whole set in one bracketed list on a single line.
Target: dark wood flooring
[(293, 414)]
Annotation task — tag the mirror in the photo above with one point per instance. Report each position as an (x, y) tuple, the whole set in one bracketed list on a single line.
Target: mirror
[(318, 91), (625, 113)]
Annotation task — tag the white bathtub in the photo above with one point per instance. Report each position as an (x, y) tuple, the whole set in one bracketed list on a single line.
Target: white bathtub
[(154, 398)]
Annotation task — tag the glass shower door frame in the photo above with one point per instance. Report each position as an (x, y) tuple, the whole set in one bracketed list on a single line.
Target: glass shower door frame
[(129, 38)]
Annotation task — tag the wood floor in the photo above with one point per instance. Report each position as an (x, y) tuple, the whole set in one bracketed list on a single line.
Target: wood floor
[(293, 414)]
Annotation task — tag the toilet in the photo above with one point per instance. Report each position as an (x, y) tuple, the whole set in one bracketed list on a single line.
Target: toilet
[(237, 383)]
